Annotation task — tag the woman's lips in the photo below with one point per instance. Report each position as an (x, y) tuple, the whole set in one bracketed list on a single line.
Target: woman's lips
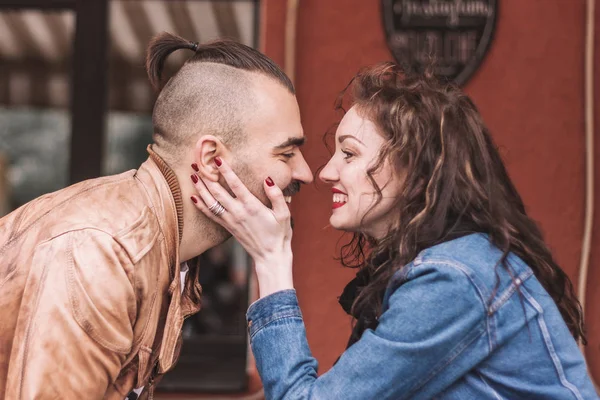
[(339, 198)]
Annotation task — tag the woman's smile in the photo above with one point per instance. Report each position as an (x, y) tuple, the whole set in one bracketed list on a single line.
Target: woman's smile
[(339, 198)]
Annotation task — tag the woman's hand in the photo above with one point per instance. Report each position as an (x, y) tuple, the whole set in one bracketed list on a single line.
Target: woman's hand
[(265, 233)]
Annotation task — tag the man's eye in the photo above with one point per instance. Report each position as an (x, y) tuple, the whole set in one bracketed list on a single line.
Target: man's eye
[(288, 155)]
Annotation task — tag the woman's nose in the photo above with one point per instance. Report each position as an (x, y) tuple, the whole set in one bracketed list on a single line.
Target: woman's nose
[(329, 173)]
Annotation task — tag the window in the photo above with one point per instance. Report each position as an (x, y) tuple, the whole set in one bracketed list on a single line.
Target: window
[(34, 97), (56, 129)]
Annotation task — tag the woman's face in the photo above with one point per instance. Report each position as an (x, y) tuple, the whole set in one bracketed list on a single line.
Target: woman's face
[(357, 145)]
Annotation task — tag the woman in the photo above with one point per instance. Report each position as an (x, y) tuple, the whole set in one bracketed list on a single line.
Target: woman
[(457, 295)]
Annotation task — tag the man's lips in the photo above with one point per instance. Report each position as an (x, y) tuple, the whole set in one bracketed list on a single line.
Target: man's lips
[(291, 190)]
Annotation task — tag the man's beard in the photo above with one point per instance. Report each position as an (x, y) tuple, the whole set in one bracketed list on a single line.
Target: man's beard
[(291, 189), (255, 186)]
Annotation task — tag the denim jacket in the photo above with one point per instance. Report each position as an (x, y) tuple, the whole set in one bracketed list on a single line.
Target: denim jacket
[(441, 336)]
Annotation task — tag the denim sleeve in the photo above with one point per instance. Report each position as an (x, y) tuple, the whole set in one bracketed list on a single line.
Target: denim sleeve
[(433, 332)]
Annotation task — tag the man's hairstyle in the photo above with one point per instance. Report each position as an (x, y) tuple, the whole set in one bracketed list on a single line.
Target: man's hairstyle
[(212, 93)]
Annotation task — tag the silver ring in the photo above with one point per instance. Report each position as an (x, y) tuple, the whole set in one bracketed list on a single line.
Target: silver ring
[(217, 209)]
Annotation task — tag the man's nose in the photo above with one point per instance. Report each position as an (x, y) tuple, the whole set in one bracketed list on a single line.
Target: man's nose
[(302, 171)]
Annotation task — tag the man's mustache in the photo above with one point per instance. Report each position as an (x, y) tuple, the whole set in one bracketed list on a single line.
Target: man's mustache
[(291, 189)]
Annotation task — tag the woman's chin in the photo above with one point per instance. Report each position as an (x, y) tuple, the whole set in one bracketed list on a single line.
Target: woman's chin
[(339, 224)]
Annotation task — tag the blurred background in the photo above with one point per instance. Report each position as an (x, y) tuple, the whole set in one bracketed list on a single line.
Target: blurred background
[(75, 104)]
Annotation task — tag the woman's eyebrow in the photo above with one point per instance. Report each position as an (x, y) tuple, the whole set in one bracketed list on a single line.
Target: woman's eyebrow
[(344, 137)]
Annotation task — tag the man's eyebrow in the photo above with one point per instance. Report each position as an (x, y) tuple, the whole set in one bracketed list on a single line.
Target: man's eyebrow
[(294, 141), (344, 137)]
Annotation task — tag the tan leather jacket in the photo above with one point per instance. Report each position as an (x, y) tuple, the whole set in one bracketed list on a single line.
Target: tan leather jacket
[(90, 298)]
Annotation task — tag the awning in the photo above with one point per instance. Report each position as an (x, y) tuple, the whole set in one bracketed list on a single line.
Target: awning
[(36, 47)]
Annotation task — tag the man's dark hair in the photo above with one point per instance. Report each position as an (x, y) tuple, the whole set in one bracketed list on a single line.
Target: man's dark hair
[(212, 93), (222, 51)]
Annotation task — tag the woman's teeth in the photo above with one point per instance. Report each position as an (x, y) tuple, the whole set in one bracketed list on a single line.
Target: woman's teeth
[(340, 198)]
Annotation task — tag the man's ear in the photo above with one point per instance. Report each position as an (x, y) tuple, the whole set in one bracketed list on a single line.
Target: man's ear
[(207, 148)]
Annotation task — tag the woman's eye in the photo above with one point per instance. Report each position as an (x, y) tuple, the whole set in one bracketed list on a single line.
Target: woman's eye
[(347, 155)]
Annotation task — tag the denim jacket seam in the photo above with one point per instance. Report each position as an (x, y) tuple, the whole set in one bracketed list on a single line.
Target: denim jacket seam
[(498, 397), (466, 271), (279, 300), (550, 347), (261, 323), (499, 302), (489, 308), (508, 292), (490, 322), (481, 329), (455, 352)]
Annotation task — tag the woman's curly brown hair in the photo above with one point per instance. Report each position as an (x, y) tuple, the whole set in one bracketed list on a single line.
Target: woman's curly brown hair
[(453, 178)]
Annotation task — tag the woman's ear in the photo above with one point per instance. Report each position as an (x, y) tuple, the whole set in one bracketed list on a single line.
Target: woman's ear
[(207, 148)]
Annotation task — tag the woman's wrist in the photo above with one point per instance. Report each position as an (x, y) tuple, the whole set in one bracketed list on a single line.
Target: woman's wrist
[(268, 288), (274, 275)]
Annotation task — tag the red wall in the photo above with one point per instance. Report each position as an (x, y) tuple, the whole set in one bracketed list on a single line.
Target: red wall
[(529, 89)]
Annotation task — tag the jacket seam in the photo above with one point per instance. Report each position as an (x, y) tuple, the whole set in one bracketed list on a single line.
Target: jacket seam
[(30, 322), (89, 329), (145, 328), (455, 352), (491, 329), (12, 272), (135, 258), (481, 329), (498, 397), (123, 372), (34, 223), (142, 337), (508, 292), (90, 228), (489, 309), (501, 301), (14, 238), (292, 314), (465, 270), (19, 220), (153, 208), (550, 347)]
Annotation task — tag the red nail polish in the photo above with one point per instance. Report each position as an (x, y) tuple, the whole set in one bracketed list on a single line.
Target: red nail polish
[(218, 161), (194, 199), (270, 182), (195, 167), (194, 178)]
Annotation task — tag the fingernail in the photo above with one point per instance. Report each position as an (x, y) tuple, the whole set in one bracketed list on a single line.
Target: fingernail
[(218, 161), (194, 178), (270, 182), (194, 199), (195, 167)]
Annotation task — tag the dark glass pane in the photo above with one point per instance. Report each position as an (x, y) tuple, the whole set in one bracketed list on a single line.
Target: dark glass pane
[(35, 122)]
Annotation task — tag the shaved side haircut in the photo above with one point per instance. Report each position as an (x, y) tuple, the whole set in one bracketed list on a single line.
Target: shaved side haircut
[(212, 93)]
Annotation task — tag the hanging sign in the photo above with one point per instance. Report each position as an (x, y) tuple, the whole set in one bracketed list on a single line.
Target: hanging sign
[(451, 35)]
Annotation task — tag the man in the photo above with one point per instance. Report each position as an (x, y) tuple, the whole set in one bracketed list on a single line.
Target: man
[(92, 298)]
